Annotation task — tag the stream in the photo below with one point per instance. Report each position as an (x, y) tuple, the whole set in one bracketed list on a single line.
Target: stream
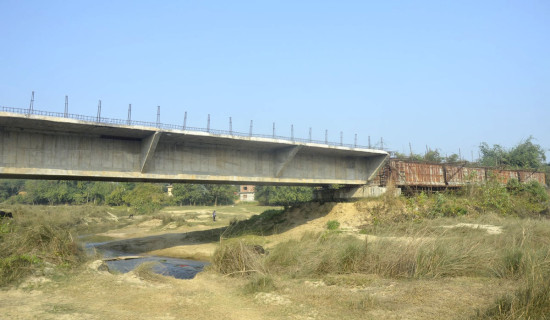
[(177, 268)]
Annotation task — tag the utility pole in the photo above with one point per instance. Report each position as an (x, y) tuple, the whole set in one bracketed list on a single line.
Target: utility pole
[(326, 136), (230, 126), (208, 124), (410, 150), (251, 124), (129, 114)]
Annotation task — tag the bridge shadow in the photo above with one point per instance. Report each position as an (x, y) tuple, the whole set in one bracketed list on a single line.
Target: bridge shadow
[(267, 223)]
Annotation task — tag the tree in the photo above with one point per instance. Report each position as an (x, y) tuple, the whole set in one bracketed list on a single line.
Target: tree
[(10, 188), (203, 194), (221, 194), (452, 158), (524, 155), (433, 156), (145, 198), (283, 196), (190, 194)]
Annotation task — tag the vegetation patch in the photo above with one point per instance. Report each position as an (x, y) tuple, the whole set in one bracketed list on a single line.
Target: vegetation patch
[(333, 225), (238, 257)]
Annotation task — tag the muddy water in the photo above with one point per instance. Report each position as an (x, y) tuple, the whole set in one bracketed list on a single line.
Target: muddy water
[(177, 268)]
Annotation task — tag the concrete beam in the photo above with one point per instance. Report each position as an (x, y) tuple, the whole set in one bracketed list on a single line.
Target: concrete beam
[(284, 157), (148, 146), (42, 147)]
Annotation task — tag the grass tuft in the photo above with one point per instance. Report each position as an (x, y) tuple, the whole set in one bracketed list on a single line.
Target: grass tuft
[(237, 258)]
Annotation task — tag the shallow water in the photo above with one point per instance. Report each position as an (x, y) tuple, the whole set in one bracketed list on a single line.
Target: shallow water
[(177, 268)]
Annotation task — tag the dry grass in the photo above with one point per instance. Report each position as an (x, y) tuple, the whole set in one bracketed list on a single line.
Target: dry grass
[(238, 258), (43, 237)]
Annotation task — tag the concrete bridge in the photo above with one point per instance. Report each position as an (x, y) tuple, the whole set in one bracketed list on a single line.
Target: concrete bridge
[(42, 146)]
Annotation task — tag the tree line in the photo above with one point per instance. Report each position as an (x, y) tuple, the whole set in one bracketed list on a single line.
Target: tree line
[(141, 196)]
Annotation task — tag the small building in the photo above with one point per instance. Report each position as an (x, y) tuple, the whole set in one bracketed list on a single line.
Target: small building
[(246, 193)]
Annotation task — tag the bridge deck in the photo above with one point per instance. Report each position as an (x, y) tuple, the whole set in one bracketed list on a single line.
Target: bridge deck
[(61, 148)]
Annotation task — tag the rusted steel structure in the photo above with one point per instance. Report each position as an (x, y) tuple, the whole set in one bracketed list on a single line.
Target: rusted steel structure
[(436, 176)]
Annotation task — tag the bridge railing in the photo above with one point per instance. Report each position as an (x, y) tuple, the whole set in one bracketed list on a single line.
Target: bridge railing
[(104, 120)]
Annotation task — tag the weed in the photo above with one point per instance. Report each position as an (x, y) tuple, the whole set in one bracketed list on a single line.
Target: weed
[(259, 283), (333, 225), (168, 218), (145, 271)]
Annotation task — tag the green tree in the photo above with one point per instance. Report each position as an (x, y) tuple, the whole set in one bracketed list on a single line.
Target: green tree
[(452, 158), (145, 198), (116, 197), (283, 195), (190, 194), (433, 156), (203, 194), (9, 188), (221, 194), (524, 155)]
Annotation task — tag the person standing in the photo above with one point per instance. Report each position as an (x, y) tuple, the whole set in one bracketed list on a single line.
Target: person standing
[(214, 216)]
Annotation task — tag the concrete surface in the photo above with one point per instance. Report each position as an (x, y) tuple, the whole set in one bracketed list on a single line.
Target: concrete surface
[(60, 148)]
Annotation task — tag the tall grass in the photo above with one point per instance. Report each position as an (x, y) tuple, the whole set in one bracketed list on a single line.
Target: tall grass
[(520, 254), (238, 257), (40, 238)]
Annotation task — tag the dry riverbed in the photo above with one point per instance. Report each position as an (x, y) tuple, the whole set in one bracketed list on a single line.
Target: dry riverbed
[(93, 293)]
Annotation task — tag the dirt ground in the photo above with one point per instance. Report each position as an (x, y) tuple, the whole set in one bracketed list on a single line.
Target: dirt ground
[(93, 294)]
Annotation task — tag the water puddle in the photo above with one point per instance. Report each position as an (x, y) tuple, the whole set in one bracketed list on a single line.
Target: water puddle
[(125, 262)]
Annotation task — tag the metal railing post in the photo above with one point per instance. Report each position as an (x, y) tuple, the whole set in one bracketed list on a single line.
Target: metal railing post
[(66, 114), (99, 111), (185, 120)]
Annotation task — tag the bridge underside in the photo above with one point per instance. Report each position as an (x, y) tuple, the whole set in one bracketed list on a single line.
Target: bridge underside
[(39, 147)]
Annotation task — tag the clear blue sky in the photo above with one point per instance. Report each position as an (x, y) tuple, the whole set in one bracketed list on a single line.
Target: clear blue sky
[(447, 74)]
